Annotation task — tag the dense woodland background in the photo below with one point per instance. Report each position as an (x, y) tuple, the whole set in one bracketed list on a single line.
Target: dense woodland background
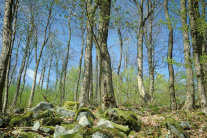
[(114, 52)]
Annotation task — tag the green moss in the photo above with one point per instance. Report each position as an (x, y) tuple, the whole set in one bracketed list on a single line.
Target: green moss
[(84, 110), (110, 132), (27, 134), (71, 105), (52, 121), (45, 114), (173, 122), (71, 136), (69, 126), (51, 127), (122, 128), (25, 119), (126, 118)]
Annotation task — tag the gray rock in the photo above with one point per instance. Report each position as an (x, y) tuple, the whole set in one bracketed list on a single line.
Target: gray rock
[(104, 123), (46, 130), (36, 126), (65, 112), (83, 121), (60, 131), (18, 111), (177, 132), (99, 135), (185, 125), (43, 106)]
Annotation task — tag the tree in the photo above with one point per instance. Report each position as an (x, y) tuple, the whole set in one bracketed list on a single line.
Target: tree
[(169, 58), (6, 45), (106, 88), (140, 34), (193, 8), (87, 68), (189, 97), (44, 42)]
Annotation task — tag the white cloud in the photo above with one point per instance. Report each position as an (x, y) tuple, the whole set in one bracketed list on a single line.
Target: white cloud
[(30, 75)]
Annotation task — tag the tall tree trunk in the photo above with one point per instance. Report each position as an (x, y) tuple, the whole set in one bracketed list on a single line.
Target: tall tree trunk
[(80, 61), (6, 45), (24, 77), (65, 64), (87, 68), (173, 103), (204, 45), (196, 36), (45, 40), (8, 82), (29, 35), (48, 77), (97, 80), (121, 49), (150, 47), (189, 96), (107, 90), (43, 76)]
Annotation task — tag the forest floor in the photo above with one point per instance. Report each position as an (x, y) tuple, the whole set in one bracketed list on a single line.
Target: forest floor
[(131, 122)]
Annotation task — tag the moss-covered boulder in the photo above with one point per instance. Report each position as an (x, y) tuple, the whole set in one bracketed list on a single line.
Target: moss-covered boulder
[(21, 134), (174, 126), (22, 120), (42, 106), (125, 118), (71, 105), (45, 114)]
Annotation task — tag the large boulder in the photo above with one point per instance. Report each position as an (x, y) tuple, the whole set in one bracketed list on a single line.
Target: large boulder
[(125, 118), (42, 106), (175, 128)]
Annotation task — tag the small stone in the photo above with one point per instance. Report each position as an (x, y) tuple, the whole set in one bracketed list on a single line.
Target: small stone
[(36, 126), (99, 135), (59, 130)]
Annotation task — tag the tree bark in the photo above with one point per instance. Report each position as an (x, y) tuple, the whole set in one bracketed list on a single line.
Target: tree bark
[(189, 96), (121, 49), (173, 103), (107, 90), (6, 45), (48, 76), (87, 68), (196, 36), (80, 61)]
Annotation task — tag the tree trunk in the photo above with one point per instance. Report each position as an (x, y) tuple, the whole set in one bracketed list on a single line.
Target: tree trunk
[(6, 45), (121, 49), (96, 88), (48, 77), (80, 61), (107, 90), (197, 50), (45, 40), (189, 96), (29, 35), (65, 64), (173, 103), (87, 68)]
